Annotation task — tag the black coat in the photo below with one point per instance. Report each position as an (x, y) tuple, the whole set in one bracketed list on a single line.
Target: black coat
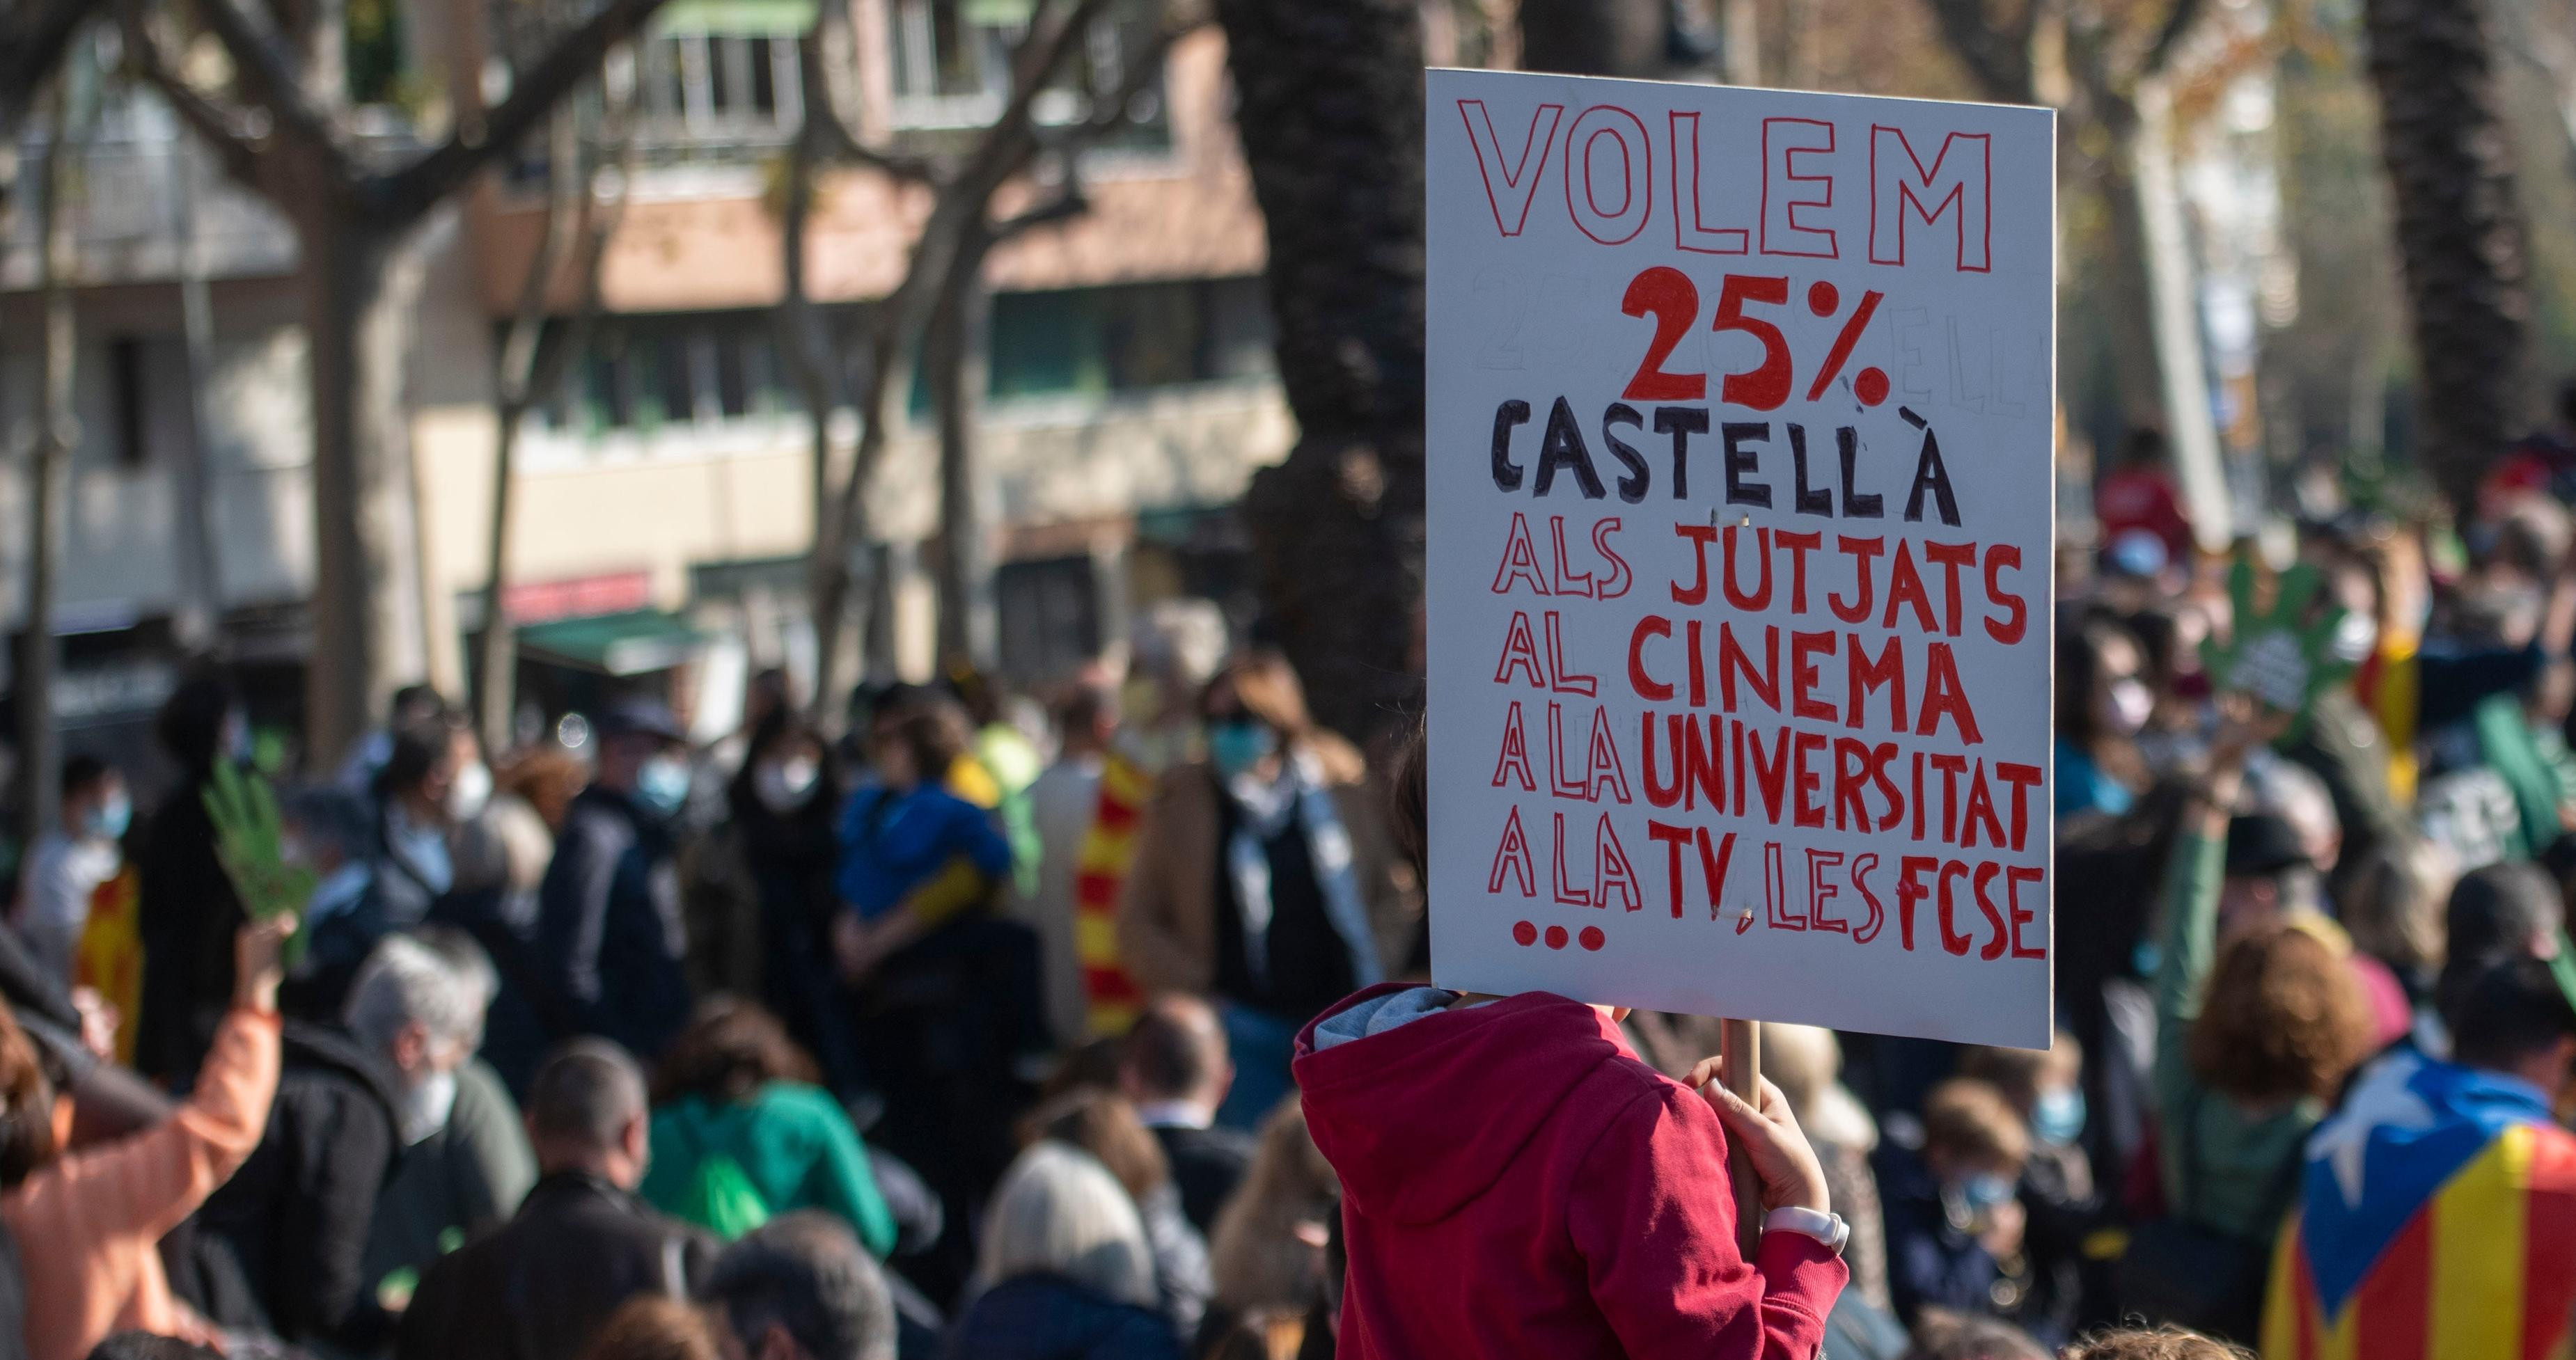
[(610, 909), (187, 915), (1207, 1164), (281, 1246), (1048, 1317), (538, 1287)]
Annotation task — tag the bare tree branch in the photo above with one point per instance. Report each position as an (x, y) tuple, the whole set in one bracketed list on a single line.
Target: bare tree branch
[(33, 37), (2177, 26), (477, 142), (243, 157), (270, 79)]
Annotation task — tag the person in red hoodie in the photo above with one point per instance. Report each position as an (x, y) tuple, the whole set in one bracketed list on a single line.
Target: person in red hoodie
[(1516, 1183)]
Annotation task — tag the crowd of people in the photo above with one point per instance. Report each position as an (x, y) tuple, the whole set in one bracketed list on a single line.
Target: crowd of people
[(992, 1031)]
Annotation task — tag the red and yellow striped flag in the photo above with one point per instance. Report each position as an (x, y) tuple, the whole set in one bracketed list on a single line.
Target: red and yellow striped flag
[(1111, 996)]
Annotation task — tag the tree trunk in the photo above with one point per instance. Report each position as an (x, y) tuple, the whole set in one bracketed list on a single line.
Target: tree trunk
[(359, 284), (954, 353), (1595, 37), (2459, 229), (39, 746), (1330, 109)]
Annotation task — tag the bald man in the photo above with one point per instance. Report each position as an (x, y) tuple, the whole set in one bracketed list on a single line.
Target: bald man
[(539, 1287), (1175, 1070)]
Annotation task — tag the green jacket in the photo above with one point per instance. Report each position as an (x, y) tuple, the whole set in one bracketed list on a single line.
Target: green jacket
[(2223, 1168), (790, 1141)]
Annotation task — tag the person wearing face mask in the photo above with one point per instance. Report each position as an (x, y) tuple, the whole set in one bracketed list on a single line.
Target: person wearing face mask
[(2102, 704), (609, 940), (186, 912), (2070, 1288), (68, 862), (1955, 1222), (784, 801), (1263, 877), (419, 1005)]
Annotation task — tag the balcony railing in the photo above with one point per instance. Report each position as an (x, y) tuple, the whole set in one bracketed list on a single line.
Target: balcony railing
[(136, 203)]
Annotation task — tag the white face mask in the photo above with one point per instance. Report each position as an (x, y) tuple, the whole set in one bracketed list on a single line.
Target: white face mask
[(471, 792), (2130, 703), (783, 785), (426, 1105)]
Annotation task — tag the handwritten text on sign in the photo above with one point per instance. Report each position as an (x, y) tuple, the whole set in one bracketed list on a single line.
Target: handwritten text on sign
[(1740, 546)]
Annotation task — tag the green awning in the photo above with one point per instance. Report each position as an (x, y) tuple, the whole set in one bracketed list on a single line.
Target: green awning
[(613, 644), (736, 18)]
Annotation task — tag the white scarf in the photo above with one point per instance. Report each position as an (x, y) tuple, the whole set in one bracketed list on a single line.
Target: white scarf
[(1262, 811)]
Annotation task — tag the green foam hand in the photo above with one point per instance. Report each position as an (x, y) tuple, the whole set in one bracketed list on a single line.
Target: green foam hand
[(250, 843), (2284, 656)]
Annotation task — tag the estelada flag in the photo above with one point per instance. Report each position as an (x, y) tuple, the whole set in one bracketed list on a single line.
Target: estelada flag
[(2437, 1221)]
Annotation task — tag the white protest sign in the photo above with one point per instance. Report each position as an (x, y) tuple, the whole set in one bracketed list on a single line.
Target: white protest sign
[(1740, 550)]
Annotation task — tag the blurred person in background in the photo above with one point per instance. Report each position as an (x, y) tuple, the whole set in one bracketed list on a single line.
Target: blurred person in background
[(187, 909), (2256, 1028), (69, 861), (1103, 1124), (801, 1288), (609, 943), (2392, 906), (280, 1248), (742, 1134), (1061, 807), (2066, 1209), (93, 1217), (2496, 914), (785, 800), (2102, 705), (1067, 1270), (540, 1286), (944, 991), (1264, 878), (1268, 1249), (648, 1328), (1955, 1222), (1806, 1063), (2138, 495), (502, 860), (1174, 1068), (2438, 1206), (419, 1004)]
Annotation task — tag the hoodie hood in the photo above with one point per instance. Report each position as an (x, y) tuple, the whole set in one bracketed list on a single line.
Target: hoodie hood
[(1422, 1114)]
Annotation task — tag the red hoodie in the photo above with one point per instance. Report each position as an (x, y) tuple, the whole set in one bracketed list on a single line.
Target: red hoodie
[(1516, 1183)]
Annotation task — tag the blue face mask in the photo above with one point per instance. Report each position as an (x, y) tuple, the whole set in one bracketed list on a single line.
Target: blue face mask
[(1986, 1191), (663, 784), (109, 819), (2058, 1116), (1235, 745)]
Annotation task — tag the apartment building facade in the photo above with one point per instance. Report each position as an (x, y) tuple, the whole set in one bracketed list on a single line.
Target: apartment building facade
[(665, 496)]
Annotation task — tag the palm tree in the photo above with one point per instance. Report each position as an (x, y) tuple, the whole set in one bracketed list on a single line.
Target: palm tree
[(1331, 117), (2459, 229)]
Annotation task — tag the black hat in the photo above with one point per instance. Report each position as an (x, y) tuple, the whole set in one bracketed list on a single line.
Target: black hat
[(2260, 843), (639, 718)]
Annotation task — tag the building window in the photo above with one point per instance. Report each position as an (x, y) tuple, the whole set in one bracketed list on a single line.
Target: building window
[(125, 394), (952, 67), (1048, 614), (714, 96), (1128, 338), (644, 374)]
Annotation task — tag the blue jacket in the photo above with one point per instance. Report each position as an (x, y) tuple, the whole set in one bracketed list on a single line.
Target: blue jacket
[(892, 843), (1048, 1317)]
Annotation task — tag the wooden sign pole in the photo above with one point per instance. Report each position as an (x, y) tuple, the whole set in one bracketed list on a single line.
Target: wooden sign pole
[(1739, 1042)]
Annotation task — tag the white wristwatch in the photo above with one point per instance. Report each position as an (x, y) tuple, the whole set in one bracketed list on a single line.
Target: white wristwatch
[(1827, 1228)]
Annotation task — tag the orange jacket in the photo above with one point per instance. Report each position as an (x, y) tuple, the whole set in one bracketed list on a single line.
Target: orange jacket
[(89, 1225)]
